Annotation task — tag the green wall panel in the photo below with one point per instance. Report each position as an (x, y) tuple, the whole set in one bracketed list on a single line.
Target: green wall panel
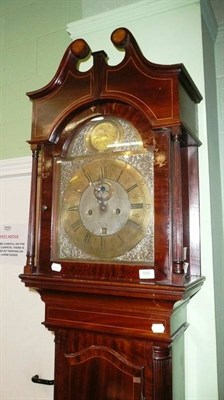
[(33, 40)]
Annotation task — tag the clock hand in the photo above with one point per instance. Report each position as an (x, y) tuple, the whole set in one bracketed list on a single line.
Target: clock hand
[(102, 204), (102, 192), (98, 193)]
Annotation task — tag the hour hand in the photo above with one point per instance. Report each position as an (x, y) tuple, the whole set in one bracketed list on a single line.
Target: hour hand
[(102, 192)]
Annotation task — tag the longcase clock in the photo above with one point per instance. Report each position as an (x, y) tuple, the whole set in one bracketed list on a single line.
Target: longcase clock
[(113, 242)]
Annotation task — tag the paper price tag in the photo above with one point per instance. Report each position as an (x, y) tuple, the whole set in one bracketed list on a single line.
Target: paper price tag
[(146, 274)]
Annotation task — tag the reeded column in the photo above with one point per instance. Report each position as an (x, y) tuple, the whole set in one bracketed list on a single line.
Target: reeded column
[(178, 256), (30, 256), (162, 372)]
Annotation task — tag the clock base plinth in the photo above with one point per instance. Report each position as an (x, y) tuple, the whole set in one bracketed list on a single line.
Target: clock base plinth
[(114, 347)]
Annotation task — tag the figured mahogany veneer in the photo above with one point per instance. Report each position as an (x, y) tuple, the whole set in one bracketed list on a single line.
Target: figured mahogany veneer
[(115, 334)]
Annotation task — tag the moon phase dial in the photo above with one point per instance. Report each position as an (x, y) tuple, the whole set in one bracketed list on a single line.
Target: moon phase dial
[(105, 208)]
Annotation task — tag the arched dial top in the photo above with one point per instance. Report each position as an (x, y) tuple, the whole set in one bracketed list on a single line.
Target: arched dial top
[(105, 208)]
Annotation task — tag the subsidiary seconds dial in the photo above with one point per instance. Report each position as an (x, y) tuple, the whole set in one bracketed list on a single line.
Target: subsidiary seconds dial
[(105, 208)]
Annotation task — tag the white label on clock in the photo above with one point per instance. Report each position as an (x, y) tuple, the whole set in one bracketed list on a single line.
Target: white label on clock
[(146, 274), (56, 267), (158, 328)]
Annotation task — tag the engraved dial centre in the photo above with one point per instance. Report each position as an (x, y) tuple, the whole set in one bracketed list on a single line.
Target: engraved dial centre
[(109, 205)]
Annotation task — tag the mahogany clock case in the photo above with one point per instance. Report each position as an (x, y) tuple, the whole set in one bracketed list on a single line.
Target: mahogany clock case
[(114, 233)]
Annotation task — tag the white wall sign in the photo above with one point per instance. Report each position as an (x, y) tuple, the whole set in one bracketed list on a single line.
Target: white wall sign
[(13, 243)]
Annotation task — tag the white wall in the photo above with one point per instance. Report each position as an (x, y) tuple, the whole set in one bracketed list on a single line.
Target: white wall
[(219, 57), (26, 347)]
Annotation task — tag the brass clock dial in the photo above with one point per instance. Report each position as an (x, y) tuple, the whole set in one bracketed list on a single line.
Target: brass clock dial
[(105, 208), (103, 197)]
